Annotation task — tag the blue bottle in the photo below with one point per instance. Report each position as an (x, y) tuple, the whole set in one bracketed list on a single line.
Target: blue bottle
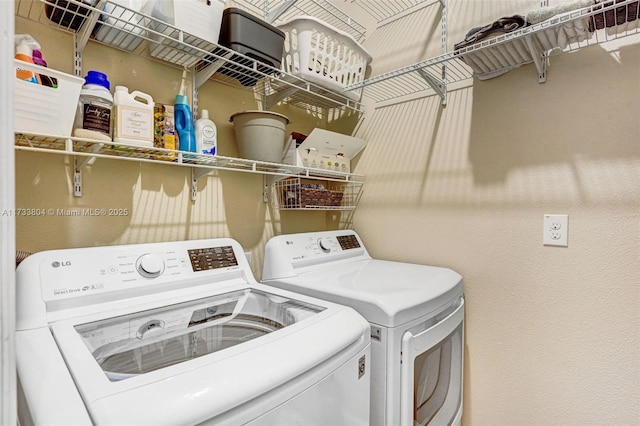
[(184, 120)]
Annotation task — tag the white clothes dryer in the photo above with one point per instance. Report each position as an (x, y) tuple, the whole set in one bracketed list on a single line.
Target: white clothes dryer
[(180, 333), (416, 314)]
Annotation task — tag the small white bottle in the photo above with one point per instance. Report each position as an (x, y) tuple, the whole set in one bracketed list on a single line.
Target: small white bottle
[(206, 134), (133, 124)]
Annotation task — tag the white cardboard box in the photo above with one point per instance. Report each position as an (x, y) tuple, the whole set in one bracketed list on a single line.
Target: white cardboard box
[(326, 150)]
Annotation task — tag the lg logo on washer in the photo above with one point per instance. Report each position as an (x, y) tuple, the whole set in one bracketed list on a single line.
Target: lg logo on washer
[(57, 264)]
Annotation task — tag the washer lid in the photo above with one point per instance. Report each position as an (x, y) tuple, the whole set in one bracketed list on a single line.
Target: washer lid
[(384, 292), (193, 361)]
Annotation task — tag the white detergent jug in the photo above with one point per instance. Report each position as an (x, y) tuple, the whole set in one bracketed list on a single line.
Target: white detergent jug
[(133, 118)]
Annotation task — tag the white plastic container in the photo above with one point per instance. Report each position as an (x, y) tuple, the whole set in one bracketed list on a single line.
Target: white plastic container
[(133, 124), (124, 27), (260, 135), (317, 52), (43, 109), (199, 20), (95, 107), (206, 134)]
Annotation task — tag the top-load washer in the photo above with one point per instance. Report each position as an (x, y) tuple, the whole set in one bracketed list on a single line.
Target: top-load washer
[(181, 333), (416, 314)]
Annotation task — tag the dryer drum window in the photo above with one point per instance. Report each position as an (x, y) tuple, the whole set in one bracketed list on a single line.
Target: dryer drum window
[(146, 341), (437, 379)]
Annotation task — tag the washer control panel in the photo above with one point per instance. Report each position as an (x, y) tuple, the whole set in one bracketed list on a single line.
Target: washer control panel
[(209, 258), (150, 265), (75, 273)]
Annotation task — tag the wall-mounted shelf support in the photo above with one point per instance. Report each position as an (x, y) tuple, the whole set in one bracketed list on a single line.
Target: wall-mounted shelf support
[(78, 165), (438, 86), (196, 173), (539, 59), (205, 74)]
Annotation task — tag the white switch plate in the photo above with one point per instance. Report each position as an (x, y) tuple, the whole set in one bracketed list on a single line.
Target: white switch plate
[(555, 230)]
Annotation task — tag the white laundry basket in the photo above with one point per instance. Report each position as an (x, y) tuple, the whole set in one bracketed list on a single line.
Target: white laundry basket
[(323, 55)]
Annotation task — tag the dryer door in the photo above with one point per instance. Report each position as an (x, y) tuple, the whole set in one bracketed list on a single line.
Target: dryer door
[(431, 372)]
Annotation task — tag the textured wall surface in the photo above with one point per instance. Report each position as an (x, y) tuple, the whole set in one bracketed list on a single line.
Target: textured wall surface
[(552, 333)]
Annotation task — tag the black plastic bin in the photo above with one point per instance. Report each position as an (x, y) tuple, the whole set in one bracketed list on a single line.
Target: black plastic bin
[(244, 33), (69, 15)]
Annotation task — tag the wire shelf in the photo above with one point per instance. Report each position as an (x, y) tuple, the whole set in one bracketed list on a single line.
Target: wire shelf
[(278, 11), (139, 33), (383, 10), (100, 149), (450, 67)]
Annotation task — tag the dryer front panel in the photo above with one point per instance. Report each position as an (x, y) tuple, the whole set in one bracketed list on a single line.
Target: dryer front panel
[(431, 372)]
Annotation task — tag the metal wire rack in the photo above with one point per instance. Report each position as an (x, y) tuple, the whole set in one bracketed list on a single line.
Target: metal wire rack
[(300, 194), (383, 10), (434, 74), (277, 11), (139, 33), (89, 149)]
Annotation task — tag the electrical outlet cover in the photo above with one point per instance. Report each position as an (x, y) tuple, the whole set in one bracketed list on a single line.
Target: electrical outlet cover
[(555, 230)]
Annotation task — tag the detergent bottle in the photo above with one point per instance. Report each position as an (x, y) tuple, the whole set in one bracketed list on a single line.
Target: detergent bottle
[(93, 116), (133, 117), (24, 52), (184, 119), (39, 60), (206, 134)]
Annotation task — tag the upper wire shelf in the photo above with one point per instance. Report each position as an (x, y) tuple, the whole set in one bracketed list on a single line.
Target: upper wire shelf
[(502, 53), (279, 11), (138, 33), (100, 149), (385, 10)]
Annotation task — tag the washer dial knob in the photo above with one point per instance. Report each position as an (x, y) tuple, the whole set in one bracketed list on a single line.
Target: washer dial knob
[(150, 265), (324, 244)]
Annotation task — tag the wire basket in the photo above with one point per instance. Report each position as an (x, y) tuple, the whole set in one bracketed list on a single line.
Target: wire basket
[(296, 193)]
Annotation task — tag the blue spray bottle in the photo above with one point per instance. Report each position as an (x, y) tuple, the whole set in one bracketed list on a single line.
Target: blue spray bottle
[(184, 119)]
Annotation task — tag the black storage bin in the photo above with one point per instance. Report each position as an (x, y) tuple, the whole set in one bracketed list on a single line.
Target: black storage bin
[(251, 36), (69, 15)]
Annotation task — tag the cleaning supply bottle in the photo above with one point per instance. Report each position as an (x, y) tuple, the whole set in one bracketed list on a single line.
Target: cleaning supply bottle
[(93, 116), (24, 52), (39, 60), (184, 119), (206, 134), (133, 117)]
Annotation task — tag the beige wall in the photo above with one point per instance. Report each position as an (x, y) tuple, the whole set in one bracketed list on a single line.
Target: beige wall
[(552, 334)]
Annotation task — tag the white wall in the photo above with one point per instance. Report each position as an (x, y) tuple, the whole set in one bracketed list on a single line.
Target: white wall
[(7, 225), (552, 334)]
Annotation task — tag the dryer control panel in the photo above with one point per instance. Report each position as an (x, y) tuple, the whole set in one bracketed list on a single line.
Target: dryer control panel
[(285, 253)]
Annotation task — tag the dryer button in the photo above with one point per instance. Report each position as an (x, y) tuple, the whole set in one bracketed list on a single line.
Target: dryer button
[(150, 265)]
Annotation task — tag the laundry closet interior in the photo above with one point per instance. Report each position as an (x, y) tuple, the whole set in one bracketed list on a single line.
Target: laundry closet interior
[(470, 143)]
